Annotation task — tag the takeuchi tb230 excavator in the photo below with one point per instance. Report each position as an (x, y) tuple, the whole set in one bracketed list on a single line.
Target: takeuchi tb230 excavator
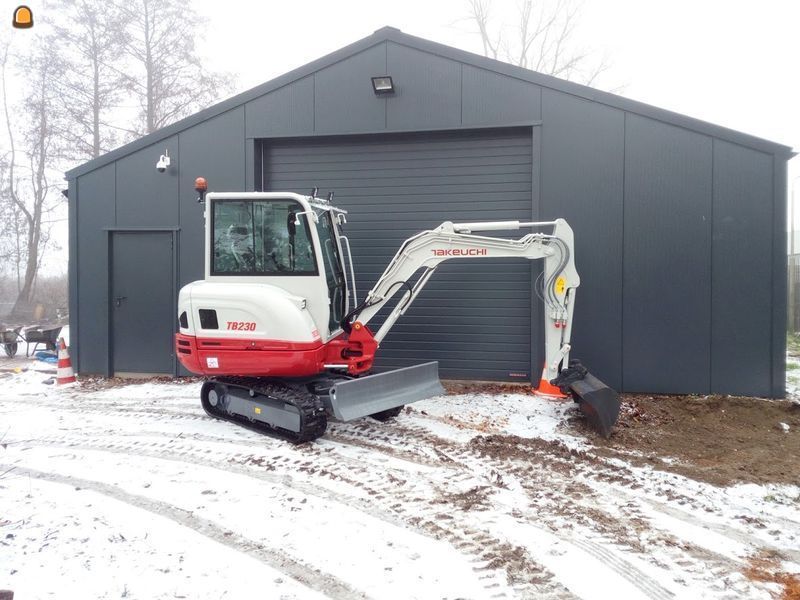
[(277, 328)]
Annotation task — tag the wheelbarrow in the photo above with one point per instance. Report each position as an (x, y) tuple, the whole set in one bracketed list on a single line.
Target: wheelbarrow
[(9, 338), (45, 335)]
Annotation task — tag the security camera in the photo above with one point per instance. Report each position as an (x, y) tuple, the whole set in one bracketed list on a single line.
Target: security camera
[(163, 163)]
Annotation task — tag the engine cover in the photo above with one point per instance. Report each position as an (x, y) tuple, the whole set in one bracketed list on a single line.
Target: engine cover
[(246, 329)]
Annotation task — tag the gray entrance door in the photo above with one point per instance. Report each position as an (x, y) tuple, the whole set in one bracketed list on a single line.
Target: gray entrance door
[(142, 302), (473, 317)]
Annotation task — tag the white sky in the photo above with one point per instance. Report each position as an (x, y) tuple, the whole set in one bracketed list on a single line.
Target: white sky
[(731, 62)]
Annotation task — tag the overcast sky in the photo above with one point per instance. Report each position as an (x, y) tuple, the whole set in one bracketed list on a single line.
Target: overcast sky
[(731, 62)]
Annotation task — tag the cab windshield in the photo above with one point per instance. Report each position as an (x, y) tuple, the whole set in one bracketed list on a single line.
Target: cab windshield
[(260, 237)]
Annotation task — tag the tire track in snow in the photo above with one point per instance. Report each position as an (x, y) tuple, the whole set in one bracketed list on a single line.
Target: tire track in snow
[(649, 586), (395, 501), (401, 441), (311, 577), (509, 468), (721, 529), (463, 456)]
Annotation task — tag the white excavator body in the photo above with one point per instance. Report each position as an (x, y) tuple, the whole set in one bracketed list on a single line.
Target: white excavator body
[(277, 310)]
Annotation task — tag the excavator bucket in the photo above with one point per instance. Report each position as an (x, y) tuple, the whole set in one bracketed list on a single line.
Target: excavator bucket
[(376, 393), (598, 402)]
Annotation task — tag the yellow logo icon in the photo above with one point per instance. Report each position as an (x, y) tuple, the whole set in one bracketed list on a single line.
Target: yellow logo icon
[(561, 285), (23, 17)]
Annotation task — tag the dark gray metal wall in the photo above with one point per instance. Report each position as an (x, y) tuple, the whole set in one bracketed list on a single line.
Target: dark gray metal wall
[(129, 195), (582, 181), (675, 245), (473, 316), (680, 224)]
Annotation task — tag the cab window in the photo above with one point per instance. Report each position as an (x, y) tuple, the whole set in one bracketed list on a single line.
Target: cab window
[(260, 237), (334, 276)]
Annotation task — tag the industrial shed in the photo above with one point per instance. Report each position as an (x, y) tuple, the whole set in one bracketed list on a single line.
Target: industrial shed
[(680, 224)]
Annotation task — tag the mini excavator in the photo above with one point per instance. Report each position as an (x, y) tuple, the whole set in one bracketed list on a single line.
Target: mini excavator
[(276, 328)]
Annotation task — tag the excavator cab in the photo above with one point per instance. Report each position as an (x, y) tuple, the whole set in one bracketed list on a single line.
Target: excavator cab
[(285, 240)]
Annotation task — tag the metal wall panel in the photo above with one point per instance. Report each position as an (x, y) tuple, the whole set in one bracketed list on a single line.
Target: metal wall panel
[(146, 197), (741, 275), (95, 211), (287, 110), (779, 276), (344, 101), (428, 90), (215, 150), (474, 316), (489, 98), (583, 150), (667, 259)]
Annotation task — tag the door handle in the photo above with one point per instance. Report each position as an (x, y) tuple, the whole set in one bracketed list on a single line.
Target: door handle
[(118, 300)]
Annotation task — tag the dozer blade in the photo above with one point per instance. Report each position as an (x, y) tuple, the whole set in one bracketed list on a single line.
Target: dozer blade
[(369, 395), (598, 402)]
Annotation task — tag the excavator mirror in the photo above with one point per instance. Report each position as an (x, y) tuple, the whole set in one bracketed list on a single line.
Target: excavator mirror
[(291, 223)]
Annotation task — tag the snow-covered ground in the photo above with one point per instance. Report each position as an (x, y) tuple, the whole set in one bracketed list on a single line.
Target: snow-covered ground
[(133, 492)]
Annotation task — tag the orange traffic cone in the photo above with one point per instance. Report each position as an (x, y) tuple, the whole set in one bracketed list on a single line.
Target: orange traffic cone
[(547, 389), (64, 374)]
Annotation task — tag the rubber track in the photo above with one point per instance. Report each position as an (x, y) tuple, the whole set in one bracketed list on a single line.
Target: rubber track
[(313, 420)]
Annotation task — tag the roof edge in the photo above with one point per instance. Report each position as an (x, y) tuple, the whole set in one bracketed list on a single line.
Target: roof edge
[(393, 34), (588, 93)]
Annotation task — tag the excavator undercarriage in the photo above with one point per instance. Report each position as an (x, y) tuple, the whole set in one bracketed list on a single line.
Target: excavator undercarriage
[(297, 410)]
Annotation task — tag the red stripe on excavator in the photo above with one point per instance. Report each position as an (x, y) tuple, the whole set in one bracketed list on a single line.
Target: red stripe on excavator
[(255, 344), (251, 358), (274, 358)]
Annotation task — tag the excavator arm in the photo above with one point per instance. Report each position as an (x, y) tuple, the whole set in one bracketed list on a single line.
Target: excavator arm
[(556, 287), (427, 250)]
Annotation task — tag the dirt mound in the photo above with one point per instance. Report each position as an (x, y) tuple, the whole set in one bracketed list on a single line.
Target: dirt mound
[(458, 386), (718, 439), (513, 446)]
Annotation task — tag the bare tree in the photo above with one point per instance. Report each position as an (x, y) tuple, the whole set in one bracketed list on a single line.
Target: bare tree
[(480, 13), (10, 227), (169, 79), (28, 188), (541, 38), (91, 37)]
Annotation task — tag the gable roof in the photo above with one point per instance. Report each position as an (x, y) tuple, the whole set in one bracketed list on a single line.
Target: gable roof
[(392, 34)]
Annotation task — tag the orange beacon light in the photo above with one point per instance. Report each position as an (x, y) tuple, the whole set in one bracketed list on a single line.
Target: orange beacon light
[(23, 17)]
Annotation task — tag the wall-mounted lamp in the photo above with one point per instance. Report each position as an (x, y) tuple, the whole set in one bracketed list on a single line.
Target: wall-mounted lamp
[(382, 85)]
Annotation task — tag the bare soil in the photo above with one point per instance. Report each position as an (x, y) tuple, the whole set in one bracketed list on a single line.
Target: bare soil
[(765, 567), (96, 383), (721, 440), (718, 439)]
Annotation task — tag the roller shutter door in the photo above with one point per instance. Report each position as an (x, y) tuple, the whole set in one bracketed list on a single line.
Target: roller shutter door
[(474, 316)]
